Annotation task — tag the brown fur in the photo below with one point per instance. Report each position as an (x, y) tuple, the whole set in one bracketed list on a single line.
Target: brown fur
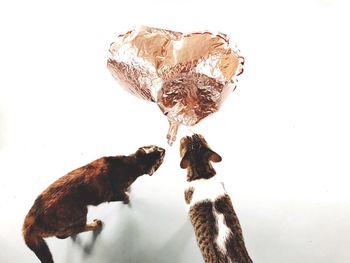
[(205, 228), (235, 241), (196, 156), (61, 209), (188, 195)]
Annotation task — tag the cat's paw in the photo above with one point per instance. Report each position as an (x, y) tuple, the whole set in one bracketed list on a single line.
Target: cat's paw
[(97, 223), (128, 190), (126, 200)]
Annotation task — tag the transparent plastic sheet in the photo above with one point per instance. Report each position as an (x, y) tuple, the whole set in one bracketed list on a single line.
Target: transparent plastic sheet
[(188, 75)]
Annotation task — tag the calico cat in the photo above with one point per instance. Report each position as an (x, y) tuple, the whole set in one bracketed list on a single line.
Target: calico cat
[(218, 232), (62, 208)]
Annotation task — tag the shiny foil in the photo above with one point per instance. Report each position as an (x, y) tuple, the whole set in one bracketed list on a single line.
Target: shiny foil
[(188, 75)]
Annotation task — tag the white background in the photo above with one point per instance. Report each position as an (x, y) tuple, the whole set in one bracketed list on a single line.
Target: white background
[(283, 134)]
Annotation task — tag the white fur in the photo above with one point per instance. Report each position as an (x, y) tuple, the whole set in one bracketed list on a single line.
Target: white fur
[(224, 232), (210, 190), (206, 190)]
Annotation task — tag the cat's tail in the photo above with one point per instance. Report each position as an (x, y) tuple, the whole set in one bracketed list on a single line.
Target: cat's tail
[(35, 242)]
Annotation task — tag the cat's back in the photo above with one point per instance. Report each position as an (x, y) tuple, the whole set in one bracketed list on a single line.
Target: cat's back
[(75, 186), (83, 175), (205, 190), (200, 196), (216, 225)]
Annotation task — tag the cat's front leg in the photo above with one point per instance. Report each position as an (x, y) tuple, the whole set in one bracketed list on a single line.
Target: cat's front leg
[(121, 196), (126, 198), (188, 195)]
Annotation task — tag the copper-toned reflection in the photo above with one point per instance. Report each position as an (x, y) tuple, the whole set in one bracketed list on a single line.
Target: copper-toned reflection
[(187, 75)]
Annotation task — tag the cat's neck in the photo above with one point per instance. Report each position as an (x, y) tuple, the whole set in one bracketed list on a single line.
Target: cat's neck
[(206, 189), (133, 167), (127, 167), (200, 172)]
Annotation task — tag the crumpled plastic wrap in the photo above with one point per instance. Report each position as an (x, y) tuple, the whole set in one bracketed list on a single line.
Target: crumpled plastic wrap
[(188, 75)]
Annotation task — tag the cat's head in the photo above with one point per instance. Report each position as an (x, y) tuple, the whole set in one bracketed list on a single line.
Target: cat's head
[(150, 158), (196, 154)]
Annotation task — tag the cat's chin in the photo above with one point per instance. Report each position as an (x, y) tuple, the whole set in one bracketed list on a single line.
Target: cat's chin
[(154, 168), (151, 172)]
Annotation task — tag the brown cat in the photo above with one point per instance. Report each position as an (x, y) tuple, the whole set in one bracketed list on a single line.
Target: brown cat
[(62, 208), (218, 232)]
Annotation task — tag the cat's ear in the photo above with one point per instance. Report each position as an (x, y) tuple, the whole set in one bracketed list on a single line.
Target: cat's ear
[(140, 152), (214, 157), (185, 162)]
